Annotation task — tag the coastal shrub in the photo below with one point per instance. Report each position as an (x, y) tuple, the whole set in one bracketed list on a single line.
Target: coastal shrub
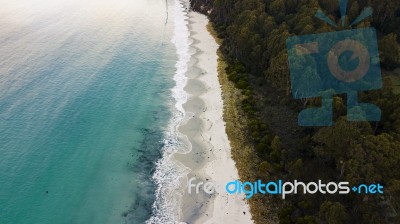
[(296, 169), (390, 51), (254, 123), (275, 156), (237, 66), (263, 127), (255, 135), (233, 76), (276, 144), (285, 215), (247, 93), (220, 31), (261, 146), (333, 212), (264, 167), (267, 139), (270, 168), (305, 205), (237, 74), (306, 220), (242, 84), (249, 100), (248, 109)]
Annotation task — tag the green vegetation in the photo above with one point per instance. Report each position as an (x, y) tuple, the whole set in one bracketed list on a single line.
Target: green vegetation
[(262, 117)]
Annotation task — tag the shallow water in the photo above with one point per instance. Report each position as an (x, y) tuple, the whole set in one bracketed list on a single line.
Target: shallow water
[(85, 98)]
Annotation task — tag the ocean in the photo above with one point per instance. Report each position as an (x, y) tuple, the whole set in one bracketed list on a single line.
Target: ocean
[(91, 92)]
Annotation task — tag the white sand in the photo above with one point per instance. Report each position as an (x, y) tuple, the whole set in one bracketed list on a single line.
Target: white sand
[(206, 131)]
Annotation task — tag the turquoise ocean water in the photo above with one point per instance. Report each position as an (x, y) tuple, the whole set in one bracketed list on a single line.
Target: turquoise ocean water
[(85, 104)]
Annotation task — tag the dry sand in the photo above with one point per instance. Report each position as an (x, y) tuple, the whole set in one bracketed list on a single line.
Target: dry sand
[(210, 157)]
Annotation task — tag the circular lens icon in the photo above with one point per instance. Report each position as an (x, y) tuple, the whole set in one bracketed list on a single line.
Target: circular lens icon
[(358, 51)]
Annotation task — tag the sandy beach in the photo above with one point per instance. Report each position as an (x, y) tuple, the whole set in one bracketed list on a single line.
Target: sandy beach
[(210, 158)]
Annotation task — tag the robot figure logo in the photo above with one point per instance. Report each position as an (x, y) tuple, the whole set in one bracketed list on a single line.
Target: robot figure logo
[(341, 62)]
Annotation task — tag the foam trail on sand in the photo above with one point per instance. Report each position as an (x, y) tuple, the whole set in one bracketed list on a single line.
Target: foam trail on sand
[(169, 175)]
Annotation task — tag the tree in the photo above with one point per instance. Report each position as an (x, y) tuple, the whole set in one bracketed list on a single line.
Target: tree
[(297, 169), (334, 142), (276, 150), (333, 213), (390, 51), (278, 72)]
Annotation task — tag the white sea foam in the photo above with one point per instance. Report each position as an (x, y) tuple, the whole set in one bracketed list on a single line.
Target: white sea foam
[(169, 175)]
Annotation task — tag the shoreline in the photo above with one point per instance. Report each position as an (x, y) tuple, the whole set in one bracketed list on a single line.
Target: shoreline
[(210, 158)]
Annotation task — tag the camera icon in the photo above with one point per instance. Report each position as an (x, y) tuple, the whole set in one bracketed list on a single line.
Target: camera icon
[(325, 64)]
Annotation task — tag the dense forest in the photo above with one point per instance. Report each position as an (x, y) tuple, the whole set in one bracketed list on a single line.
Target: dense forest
[(254, 34)]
